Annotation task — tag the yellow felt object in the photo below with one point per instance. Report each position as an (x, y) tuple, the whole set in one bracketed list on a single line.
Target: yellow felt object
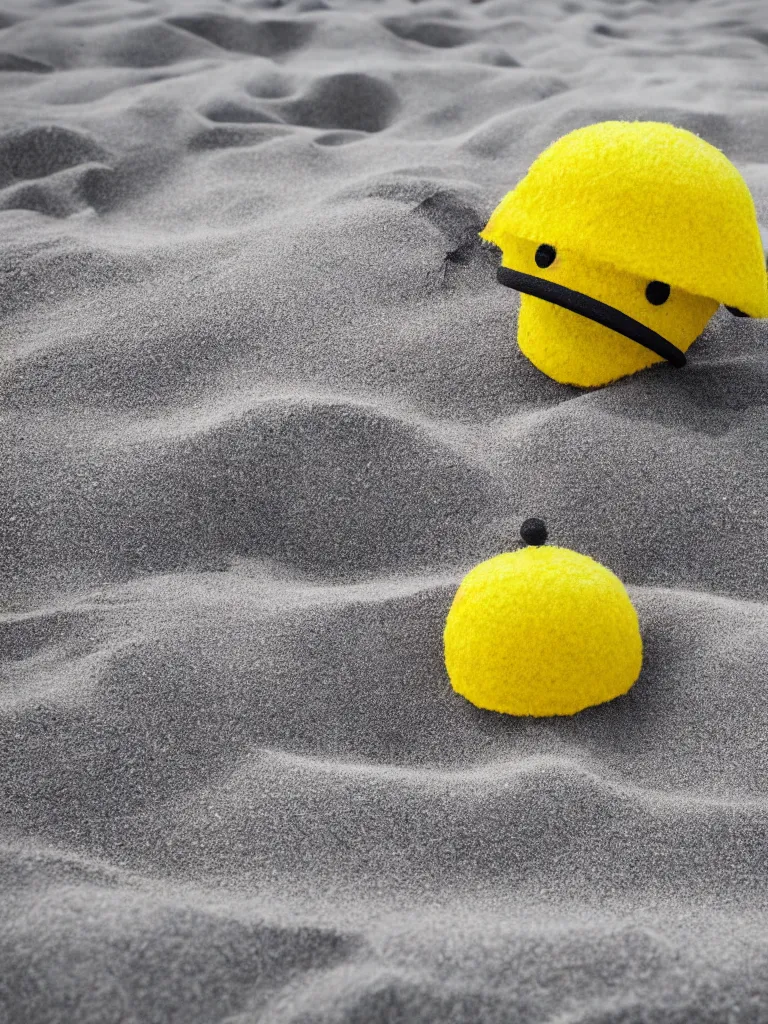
[(575, 350), (541, 631), (649, 198)]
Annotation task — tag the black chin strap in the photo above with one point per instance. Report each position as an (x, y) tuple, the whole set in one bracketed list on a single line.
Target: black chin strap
[(593, 309)]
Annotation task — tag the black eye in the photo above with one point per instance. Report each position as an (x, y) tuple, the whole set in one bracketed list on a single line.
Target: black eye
[(545, 256), (657, 293)]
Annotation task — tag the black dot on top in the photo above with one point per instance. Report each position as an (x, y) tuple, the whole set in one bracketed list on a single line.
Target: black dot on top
[(534, 532), (545, 255), (657, 293)]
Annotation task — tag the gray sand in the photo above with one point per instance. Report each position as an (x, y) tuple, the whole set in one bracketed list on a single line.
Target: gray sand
[(262, 408)]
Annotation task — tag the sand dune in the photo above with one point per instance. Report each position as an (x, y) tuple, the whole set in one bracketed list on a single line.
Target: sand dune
[(262, 408)]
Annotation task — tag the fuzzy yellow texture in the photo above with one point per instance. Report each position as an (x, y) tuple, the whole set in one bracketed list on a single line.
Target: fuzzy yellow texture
[(541, 631), (575, 350), (648, 198)]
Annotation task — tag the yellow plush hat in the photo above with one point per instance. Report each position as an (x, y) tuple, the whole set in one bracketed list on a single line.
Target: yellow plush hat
[(541, 631), (617, 207)]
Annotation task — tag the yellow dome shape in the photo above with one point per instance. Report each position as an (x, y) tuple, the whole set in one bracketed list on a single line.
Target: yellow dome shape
[(541, 631), (604, 214)]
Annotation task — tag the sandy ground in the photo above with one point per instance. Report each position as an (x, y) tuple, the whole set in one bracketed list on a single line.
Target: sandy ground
[(262, 408)]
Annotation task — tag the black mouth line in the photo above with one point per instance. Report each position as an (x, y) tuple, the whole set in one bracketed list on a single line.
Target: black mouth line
[(592, 309)]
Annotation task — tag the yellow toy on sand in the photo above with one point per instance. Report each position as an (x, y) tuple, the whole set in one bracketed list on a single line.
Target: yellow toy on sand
[(541, 631), (624, 238)]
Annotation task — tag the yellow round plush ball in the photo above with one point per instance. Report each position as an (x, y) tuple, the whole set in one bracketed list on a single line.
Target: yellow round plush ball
[(541, 631)]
